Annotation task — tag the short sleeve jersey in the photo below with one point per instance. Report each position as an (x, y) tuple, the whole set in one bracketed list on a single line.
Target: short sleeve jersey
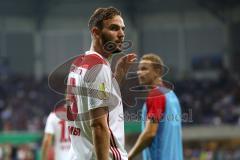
[(92, 86), (58, 128)]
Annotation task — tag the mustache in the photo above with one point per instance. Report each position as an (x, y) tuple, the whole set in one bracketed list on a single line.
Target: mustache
[(119, 41)]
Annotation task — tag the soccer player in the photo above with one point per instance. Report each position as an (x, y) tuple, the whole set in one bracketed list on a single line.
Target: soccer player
[(56, 135), (95, 125), (161, 137)]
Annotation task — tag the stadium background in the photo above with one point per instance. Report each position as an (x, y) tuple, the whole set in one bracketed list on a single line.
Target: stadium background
[(198, 40)]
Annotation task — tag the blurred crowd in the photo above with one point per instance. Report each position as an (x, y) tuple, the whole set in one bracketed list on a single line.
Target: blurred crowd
[(26, 102), (204, 154), (17, 152), (212, 102)]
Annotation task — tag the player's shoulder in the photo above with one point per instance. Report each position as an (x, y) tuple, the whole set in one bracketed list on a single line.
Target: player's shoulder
[(89, 60), (53, 117), (155, 92)]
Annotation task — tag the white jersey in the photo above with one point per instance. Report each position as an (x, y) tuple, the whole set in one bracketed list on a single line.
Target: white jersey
[(93, 85), (59, 129)]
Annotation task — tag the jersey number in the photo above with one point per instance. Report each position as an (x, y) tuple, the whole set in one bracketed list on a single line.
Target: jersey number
[(63, 137), (73, 111)]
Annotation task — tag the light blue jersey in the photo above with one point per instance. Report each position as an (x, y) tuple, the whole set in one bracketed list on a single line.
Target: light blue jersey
[(167, 144)]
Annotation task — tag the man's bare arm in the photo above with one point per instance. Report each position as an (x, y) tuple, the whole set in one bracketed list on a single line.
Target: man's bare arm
[(145, 139), (46, 144), (100, 132)]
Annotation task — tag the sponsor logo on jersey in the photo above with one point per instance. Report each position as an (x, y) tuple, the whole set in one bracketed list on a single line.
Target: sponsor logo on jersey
[(102, 94), (74, 131)]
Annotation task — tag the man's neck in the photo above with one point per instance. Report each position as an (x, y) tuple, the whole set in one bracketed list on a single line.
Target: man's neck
[(157, 81), (94, 48), (100, 51)]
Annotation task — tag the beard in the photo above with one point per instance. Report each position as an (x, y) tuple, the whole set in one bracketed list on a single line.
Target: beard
[(110, 46)]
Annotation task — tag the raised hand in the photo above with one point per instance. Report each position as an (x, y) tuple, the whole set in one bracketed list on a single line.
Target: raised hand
[(122, 66)]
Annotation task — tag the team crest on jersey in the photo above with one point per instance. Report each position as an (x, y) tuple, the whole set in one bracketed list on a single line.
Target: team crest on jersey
[(102, 93)]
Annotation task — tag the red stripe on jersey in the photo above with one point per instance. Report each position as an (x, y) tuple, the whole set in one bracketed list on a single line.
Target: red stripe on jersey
[(88, 61), (114, 153), (113, 147), (114, 144)]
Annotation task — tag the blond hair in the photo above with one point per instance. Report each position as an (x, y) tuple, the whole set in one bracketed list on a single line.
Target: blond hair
[(156, 60)]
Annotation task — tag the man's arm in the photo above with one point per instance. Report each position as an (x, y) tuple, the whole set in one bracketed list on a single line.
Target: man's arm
[(100, 132), (145, 139), (46, 144)]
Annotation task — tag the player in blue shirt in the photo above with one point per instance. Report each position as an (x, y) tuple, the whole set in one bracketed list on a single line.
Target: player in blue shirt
[(161, 137)]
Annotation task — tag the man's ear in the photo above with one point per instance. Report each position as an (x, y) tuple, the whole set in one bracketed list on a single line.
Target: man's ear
[(158, 71), (95, 32)]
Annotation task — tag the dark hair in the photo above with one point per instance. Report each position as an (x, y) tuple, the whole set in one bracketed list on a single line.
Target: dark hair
[(100, 14)]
